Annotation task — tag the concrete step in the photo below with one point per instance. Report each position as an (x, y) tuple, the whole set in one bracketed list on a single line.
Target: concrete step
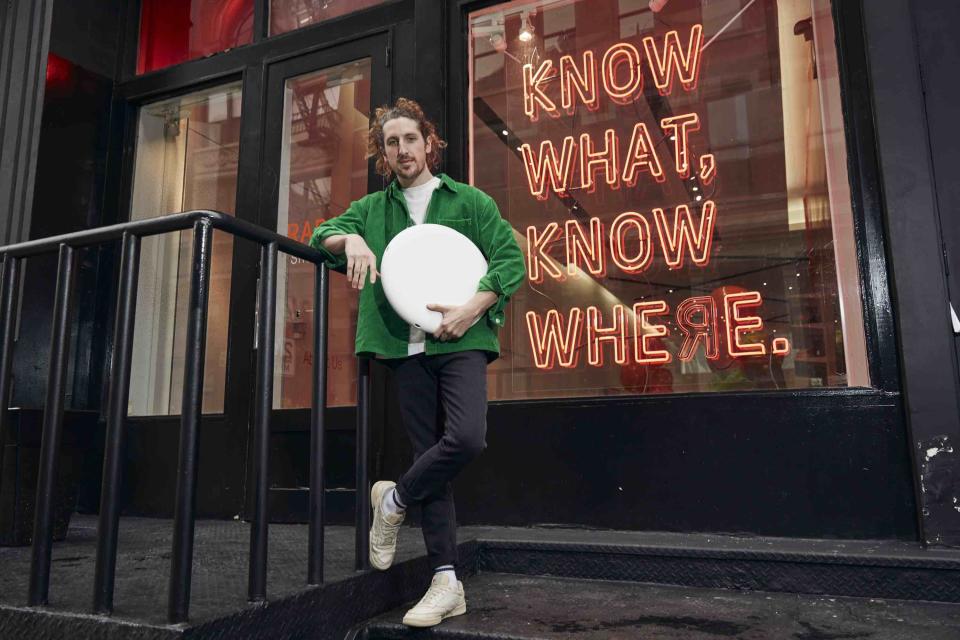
[(518, 607)]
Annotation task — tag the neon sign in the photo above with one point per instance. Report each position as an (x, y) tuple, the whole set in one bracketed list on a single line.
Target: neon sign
[(728, 325)]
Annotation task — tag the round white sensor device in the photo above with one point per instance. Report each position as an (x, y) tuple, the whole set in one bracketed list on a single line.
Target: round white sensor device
[(430, 264)]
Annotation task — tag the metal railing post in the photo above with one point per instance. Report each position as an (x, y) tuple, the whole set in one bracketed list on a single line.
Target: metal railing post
[(267, 312), (52, 430), (119, 393), (9, 294), (321, 296), (130, 233), (362, 546), (190, 415)]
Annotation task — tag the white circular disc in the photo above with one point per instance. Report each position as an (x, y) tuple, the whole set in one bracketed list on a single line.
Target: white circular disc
[(430, 264)]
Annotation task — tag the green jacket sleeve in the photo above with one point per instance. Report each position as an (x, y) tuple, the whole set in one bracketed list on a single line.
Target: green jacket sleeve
[(353, 220), (505, 264)]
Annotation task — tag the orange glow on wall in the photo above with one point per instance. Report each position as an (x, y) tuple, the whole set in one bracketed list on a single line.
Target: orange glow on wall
[(622, 54), (583, 80), (739, 323), (679, 128), (645, 331), (641, 155), (699, 330), (547, 166), (534, 98), (675, 61), (550, 343), (682, 234), (538, 261), (592, 160), (622, 225), (580, 250), (597, 335)]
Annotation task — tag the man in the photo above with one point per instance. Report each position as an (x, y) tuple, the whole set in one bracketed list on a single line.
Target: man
[(446, 369)]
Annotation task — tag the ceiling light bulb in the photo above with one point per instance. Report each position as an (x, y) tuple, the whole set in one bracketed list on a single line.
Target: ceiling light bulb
[(526, 29)]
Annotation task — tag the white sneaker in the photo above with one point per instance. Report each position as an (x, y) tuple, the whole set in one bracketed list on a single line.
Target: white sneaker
[(383, 532), (442, 600)]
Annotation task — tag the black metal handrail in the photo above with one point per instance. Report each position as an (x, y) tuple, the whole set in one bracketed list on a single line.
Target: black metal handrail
[(203, 223)]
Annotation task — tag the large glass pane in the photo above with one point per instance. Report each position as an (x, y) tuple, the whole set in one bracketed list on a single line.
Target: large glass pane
[(287, 15), (323, 168), (186, 159), (678, 180), (174, 31)]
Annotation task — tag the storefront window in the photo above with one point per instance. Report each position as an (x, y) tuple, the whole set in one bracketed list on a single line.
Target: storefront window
[(678, 182), (186, 159), (323, 168), (174, 31), (288, 15)]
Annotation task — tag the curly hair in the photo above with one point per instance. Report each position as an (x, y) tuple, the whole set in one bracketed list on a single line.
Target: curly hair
[(403, 108)]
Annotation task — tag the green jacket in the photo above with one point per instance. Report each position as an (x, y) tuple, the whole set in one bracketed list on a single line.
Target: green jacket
[(380, 216)]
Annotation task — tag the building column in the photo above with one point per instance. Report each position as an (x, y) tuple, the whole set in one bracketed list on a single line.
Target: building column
[(920, 295), (24, 44)]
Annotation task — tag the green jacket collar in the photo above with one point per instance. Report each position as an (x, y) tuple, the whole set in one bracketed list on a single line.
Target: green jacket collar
[(394, 190)]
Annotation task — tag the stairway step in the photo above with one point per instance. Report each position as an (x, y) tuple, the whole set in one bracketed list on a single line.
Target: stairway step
[(855, 568), (518, 607)]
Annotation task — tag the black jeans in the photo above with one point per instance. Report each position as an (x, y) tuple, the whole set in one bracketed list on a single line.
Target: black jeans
[(457, 383)]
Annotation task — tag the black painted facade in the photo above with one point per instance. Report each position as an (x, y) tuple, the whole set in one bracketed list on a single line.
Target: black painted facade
[(838, 463)]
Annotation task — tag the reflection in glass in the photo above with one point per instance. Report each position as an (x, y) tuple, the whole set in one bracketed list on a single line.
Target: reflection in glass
[(288, 15), (323, 168), (186, 159), (174, 31), (767, 107)]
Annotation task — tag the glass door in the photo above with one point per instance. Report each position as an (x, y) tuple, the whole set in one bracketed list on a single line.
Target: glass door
[(315, 164), (322, 169)]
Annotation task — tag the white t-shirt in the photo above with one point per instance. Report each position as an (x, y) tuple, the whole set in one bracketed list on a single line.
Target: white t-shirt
[(417, 200)]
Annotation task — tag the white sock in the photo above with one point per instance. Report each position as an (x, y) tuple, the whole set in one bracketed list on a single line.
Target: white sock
[(390, 504), (447, 571)]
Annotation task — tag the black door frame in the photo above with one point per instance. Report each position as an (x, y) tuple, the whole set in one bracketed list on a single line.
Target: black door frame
[(287, 502), (224, 437), (846, 408)]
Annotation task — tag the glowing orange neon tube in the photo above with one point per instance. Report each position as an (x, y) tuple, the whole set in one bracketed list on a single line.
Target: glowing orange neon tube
[(641, 155), (679, 128), (708, 168), (621, 225), (549, 343), (591, 160), (645, 330), (582, 80), (622, 54), (739, 324), (533, 95), (538, 261), (596, 335), (673, 238), (581, 251), (780, 346), (702, 330), (686, 64), (548, 167)]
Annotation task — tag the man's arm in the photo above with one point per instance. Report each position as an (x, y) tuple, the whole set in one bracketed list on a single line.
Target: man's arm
[(456, 320), (341, 241), (360, 259), (505, 273), (506, 267)]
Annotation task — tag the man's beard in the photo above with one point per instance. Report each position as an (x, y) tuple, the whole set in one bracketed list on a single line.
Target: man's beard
[(411, 170)]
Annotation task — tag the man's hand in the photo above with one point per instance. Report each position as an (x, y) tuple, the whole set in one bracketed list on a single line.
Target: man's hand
[(457, 319), (360, 260)]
